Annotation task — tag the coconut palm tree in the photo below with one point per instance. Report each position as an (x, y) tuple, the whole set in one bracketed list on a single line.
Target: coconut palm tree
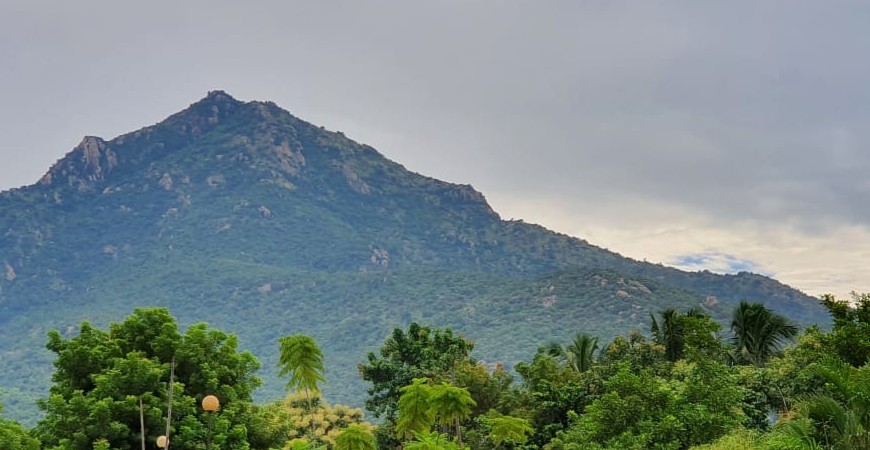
[(759, 333), (579, 354), (671, 332)]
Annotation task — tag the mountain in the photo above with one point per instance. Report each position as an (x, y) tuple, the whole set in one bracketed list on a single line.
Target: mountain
[(241, 215)]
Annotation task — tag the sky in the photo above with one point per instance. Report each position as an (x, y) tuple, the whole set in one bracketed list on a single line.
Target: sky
[(720, 136)]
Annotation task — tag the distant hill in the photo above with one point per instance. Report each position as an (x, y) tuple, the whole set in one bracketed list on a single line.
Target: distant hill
[(244, 216)]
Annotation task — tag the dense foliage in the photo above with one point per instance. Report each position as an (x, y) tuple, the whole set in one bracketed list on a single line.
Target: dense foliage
[(688, 384), (14, 437), (102, 376)]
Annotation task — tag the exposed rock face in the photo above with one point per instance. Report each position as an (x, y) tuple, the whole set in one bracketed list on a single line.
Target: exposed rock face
[(88, 163)]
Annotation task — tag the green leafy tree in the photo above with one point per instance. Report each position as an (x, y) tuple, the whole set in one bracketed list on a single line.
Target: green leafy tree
[(421, 352), (301, 359), (101, 376), (549, 392), (14, 437), (507, 429), (850, 335), (759, 333), (431, 441), (839, 416), (491, 389), (697, 403), (416, 415), (291, 418), (451, 405), (355, 437)]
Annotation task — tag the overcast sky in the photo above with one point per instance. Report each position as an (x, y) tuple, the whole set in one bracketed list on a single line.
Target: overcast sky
[(719, 135)]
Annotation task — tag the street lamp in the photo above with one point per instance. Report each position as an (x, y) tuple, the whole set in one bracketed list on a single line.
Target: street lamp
[(210, 404), (162, 441)]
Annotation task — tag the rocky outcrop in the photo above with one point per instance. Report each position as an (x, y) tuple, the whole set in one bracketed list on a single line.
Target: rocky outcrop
[(86, 165)]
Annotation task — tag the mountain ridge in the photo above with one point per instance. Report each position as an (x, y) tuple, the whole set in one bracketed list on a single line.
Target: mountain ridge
[(243, 215)]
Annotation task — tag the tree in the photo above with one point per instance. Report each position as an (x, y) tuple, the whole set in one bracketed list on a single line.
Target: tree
[(302, 360), (504, 429), (422, 352), (697, 404), (674, 330), (14, 437), (579, 354), (431, 441), (355, 437), (850, 336), (451, 405), (291, 419), (101, 375), (416, 415), (840, 415), (759, 333)]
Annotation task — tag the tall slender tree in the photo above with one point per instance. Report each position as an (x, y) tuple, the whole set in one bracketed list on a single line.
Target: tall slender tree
[(671, 332), (302, 360), (416, 415), (451, 405)]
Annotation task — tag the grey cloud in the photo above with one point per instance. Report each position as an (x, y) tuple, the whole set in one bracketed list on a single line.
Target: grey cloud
[(742, 110)]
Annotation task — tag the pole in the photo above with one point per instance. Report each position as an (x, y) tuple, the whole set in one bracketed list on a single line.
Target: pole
[(210, 420), (142, 422), (169, 408)]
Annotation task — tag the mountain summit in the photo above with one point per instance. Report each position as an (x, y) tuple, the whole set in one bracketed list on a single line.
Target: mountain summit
[(244, 216)]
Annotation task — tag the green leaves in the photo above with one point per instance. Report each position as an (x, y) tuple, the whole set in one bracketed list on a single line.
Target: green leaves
[(102, 375), (422, 352), (355, 437), (423, 404), (302, 360), (508, 429), (14, 437), (759, 333), (415, 409)]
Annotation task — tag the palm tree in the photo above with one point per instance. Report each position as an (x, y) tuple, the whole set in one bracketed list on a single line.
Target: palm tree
[(451, 404), (759, 333), (579, 355), (671, 333), (302, 360), (842, 415), (415, 410), (582, 352), (355, 437)]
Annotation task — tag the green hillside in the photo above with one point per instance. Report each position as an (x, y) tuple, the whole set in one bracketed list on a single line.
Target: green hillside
[(248, 218)]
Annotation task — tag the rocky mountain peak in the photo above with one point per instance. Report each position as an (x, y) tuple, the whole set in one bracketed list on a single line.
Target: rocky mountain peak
[(86, 164)]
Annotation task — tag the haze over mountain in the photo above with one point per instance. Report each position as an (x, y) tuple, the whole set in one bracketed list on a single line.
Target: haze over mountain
[(244, 216)]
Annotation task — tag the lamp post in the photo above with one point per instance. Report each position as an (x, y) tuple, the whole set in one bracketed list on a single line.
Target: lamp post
[(210, 404)]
